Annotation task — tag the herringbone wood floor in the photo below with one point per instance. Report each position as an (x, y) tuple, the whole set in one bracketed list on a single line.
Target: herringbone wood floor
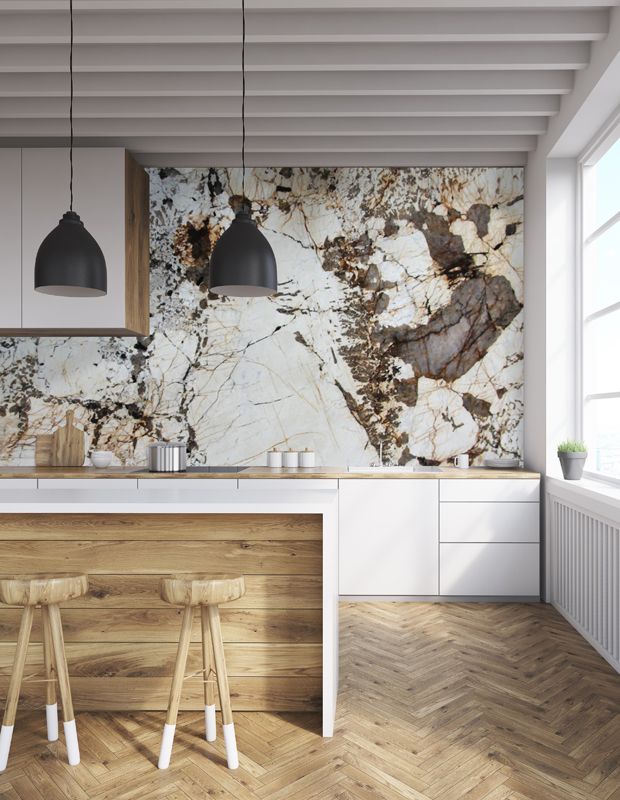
[(439, 702)]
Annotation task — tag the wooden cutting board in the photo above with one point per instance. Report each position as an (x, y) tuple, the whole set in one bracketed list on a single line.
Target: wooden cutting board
[(67, 445), (43, 450)]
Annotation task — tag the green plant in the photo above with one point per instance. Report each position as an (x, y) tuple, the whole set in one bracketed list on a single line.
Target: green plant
[(572, 446)]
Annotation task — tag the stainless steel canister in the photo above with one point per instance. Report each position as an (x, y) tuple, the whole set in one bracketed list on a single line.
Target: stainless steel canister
[(167, 457)]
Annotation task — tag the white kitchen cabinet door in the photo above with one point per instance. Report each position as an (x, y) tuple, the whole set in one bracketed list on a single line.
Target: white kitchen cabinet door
[(112, 199), (492, 568), (99, 199), (10, 236), (388, 537), (489, 522), (490, 490)]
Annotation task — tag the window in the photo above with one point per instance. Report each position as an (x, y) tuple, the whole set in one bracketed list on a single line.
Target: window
[(600, 294)]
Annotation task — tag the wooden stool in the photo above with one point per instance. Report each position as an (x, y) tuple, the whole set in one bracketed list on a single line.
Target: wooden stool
[(45, 591), (207, 592)]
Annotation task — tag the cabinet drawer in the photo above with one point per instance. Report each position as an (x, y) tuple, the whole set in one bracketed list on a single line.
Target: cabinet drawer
[(17, 483), (196, 486), (288, 484), (489, 522), (492, 568), (472, 490), (90, 484)]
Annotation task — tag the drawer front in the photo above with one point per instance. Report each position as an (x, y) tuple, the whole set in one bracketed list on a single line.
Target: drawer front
[(194, 485), (489, 522), (90, 484), (492, 568), (17, 483), (476, 490), (288, 484)]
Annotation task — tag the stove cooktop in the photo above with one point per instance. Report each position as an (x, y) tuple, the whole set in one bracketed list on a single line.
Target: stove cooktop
[(215, 469)]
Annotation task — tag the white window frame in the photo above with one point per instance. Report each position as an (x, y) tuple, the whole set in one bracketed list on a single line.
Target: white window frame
[(602, 142)]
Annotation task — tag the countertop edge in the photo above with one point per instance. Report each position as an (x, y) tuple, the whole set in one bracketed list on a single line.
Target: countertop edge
[(262, 473)]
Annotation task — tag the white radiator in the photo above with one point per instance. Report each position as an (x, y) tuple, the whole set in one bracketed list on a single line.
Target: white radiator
[(584, 574)]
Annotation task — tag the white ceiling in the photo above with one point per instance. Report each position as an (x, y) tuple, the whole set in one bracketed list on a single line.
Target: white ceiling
[(329, 82)]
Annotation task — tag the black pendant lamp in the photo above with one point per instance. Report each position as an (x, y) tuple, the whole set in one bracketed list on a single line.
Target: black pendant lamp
[(243, 263), (69, 261)]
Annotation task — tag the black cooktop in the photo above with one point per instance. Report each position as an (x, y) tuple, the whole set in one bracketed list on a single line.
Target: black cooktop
[(215, 469)]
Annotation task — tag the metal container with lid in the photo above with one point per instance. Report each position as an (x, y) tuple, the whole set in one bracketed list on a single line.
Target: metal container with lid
[(167, 457)]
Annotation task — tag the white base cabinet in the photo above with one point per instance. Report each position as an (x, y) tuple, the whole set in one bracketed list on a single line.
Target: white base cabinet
[(489, 568), (454, 538), (389, 537), (489, 533)]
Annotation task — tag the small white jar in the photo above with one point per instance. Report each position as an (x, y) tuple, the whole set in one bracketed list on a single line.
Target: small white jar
[(290, 458), (274, 458), (306, 458)]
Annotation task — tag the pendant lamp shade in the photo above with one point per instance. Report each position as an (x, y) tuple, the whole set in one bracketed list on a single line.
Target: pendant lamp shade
[(70, 262), (242, 262)]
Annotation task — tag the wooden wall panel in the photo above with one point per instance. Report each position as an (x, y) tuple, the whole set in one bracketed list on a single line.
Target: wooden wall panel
[(151, 694), (121, 638), (248, 558), (88, 660), (163, 625), (262, 591), (165, 527)]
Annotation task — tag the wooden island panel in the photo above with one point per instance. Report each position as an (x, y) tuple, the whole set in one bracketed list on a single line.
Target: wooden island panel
[(121, 638)]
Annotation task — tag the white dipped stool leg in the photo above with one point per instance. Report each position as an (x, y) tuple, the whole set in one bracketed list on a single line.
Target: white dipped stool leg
[(165, 751), (230, 742), (222, 684), (60, 659), (71, 740), (210, 727), (6, 734), (51, 717), (51, 707), (207, 676), (167, 739)]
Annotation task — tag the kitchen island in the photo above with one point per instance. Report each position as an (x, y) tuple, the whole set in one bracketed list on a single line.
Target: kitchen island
[(281, 637), (300, 537)]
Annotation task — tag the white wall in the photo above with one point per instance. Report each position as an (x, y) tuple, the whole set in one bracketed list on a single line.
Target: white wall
[(550, 252)]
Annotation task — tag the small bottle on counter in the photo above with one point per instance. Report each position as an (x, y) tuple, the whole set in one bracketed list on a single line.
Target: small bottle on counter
[(274, 458), (290, 458), (306, 458)]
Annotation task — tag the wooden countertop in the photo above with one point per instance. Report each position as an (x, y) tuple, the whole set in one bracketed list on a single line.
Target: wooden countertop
[(339, 473)]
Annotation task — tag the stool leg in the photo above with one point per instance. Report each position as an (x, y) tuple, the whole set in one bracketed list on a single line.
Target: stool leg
[(51, 706), (6, 733), (209, 689), (175, 690), (222, 684), (73, 750)]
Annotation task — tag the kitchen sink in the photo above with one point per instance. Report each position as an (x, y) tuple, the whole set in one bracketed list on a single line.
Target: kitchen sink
[(396, 470)]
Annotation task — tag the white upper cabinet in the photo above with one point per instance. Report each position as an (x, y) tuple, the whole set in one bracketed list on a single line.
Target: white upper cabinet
[(111, 197), (10, 225)]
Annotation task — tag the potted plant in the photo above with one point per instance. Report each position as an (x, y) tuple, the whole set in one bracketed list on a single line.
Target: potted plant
[(572, 455)]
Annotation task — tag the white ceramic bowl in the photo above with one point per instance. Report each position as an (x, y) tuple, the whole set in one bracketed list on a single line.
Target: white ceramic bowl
[(101, 458)]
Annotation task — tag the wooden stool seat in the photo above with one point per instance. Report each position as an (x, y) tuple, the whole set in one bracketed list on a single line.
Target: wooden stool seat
[(207, 591), (47, 591), (197, 590), (36, 590)]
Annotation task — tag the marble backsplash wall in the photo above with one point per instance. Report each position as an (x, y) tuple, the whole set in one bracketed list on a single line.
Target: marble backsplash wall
[(398, 319)]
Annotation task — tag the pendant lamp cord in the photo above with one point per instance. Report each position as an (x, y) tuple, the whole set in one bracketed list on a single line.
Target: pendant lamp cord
[(243, 97), (71, 106)]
